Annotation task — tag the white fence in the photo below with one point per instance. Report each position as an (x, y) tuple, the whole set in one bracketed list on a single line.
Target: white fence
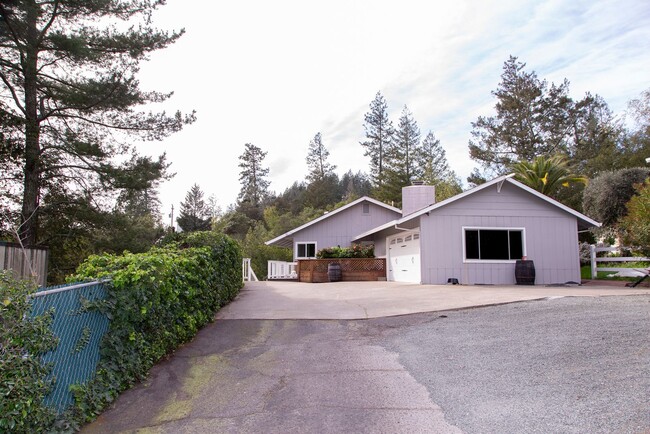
[(282, 270), (595, 260), (247, 271)]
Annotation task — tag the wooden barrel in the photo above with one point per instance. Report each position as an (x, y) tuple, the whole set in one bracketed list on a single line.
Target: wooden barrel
[(334, 271), (525, 272)]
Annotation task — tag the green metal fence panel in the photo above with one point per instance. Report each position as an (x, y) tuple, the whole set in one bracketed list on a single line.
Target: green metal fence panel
[(79, 331)]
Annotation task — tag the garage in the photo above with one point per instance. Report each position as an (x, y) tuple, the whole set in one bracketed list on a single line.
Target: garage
[(404, 257)]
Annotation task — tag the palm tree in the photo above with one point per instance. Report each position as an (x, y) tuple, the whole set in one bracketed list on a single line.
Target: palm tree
[(546, 174)]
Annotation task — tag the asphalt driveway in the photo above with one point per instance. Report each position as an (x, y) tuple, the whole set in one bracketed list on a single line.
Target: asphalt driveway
[(568, 364)]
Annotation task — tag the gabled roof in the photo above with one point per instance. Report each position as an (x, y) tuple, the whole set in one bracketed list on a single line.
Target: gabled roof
[(584, 222), (286, 239)]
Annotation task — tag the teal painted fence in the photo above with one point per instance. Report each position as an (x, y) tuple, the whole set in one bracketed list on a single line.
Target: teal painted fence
[(79, 331)]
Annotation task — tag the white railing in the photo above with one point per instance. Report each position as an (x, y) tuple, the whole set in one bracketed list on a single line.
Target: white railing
[(282, 270), (247, 271), (595, 260)]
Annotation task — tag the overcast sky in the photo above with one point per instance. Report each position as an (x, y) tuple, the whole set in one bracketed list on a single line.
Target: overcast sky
[(275, 73)]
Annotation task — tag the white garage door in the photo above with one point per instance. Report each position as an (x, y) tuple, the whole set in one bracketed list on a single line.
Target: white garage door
[(404, 258)]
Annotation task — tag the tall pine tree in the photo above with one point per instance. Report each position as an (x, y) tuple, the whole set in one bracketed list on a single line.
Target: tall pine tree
[(402, 160), (435, 168), (317, 163), (531, 119), (70, 99), (254, 185), (379, 133)]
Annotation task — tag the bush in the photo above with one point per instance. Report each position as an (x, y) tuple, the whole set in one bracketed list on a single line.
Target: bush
[(356, 251), (635, 226), (585, 254), (156, 301), (23, 340), (606, 196)]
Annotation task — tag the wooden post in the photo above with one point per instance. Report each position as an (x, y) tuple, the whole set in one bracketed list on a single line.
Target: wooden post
[(594, 273)]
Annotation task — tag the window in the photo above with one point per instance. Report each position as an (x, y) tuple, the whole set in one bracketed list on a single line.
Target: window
[(493, 244), (305, 250), (366, 208)]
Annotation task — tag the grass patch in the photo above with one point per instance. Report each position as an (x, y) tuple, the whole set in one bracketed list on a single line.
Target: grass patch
[(585, 270)]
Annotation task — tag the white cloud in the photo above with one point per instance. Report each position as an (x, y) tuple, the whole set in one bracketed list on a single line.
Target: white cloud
[(276, 73)]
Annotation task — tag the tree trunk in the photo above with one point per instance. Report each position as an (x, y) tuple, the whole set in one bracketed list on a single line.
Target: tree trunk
[(31, 180)]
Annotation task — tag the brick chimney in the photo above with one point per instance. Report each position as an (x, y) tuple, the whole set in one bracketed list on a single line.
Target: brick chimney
[(417, 196)]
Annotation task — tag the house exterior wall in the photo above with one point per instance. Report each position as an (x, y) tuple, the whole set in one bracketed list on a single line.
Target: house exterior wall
[(551, 238), (339, 229)]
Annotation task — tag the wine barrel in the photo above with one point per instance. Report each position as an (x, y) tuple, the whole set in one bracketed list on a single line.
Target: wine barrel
[(525, 272), (334, 271)]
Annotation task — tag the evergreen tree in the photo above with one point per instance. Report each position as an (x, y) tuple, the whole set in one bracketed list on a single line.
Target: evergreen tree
[(69, 95), (379, 133), (531, 119), (435, 169), (401, 160), (254, 185), (194, 213), (433, 160), (317, 163), (595, 143)]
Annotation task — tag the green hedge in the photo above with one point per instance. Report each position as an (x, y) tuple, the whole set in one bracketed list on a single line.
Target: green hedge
[(23, 340), (155, 301)]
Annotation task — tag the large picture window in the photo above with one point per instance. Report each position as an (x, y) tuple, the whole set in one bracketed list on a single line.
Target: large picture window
[(305, 250), (493, 244)]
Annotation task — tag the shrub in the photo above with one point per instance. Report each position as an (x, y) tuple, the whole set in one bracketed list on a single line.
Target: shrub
[(635, 226), (23, 340), (356, 251), (156, 301)]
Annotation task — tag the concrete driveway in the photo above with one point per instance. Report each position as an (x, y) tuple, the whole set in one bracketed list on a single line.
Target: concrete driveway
[(262, 368), (362, 300)]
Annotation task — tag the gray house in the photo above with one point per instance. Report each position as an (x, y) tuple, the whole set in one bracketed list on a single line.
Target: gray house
[(336, 228), (475, 237)]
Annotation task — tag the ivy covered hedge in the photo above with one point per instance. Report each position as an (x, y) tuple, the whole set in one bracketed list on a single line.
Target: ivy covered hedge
[(155, 301), (23, 340)]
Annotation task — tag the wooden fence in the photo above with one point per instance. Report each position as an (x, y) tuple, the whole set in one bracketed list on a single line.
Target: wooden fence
[(27, 263), (352, 269), (595, 260)]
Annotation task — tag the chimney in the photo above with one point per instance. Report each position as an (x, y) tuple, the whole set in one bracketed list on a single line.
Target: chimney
[(417, 196)]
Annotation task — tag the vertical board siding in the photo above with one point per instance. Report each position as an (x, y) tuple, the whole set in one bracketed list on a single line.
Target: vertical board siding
[(339, 229), (551, 238)]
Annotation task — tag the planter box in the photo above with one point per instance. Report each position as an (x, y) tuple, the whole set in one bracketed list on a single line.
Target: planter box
[(352, 269)]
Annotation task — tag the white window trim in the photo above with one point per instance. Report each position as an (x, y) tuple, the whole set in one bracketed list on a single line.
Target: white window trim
[(491, 228), (295, 251)]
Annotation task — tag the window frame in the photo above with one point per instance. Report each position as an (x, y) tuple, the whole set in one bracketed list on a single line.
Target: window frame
[(490, 228), (298, 243)]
